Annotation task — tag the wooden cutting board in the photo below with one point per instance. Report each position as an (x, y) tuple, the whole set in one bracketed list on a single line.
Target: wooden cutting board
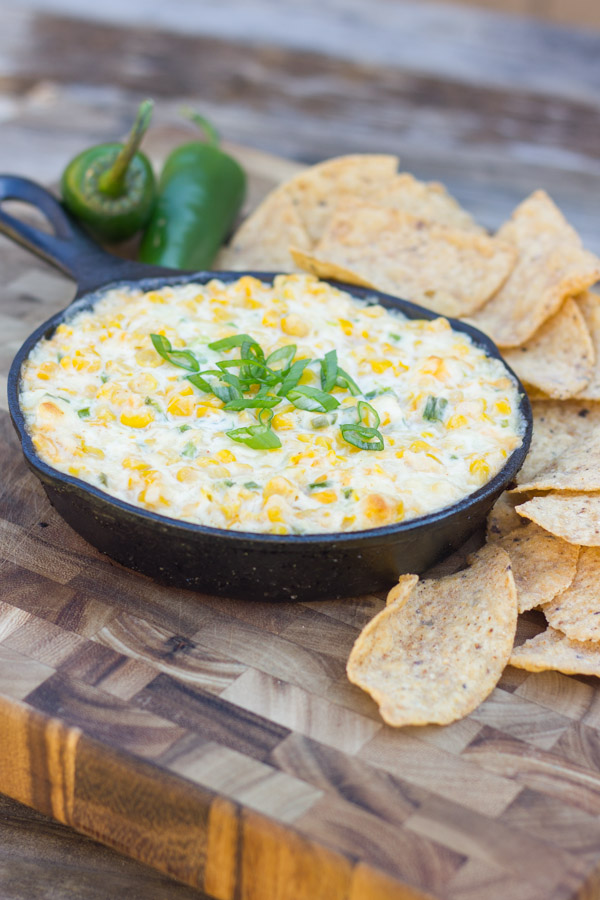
[(220, 742)]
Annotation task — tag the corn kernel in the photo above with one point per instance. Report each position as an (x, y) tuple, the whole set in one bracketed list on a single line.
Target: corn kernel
[(380, 365), (226, 456), (149, 358), (187, 474), (136, 418), (181, 406), (418, 446), (144, 383), (282, 422), (278, 529), (346, 326), (503, 406), (278, 486), (481, 468), (47, 369), (456, 421), (294, 325), (325, 496), (270, 318)]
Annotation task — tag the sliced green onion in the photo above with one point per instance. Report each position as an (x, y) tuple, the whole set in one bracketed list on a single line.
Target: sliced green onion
[(365, 412), (348, 492), (253, 403), (434, 408), (259, 437), (293, 376), (228, 343), (284, 355), (103, 479), (83, 413), (183, 428), (185, 359), (363, 437), (312, 399), (329, 370), (344, 380), (324, 421), (150, 401), (377, 392), (319, 484), (252, 486)]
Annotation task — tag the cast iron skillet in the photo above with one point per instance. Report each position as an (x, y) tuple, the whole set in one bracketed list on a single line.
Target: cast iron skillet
[(231, 563)]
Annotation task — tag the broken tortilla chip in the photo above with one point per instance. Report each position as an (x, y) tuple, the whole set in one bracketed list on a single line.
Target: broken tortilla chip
[(589, 304), (437, 656), (401, 592), (450, 271), (427, 200), (559, 358), (543, 565), (551, 266), (502, 518), (316, 192), (262, 241), (575, 517), (577, 469), (553, 650), (576, 611)]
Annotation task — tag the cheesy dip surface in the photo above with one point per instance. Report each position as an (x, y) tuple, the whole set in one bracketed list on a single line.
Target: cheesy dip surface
[(103, 405)]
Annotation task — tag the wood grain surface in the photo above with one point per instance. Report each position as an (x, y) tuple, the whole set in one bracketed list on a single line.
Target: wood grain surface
[(219, 741)]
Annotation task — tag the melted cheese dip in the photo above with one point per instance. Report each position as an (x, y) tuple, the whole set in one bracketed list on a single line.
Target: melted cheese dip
[(101, 404)]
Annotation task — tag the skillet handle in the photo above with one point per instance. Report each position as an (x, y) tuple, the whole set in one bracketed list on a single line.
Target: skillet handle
[(68, 247)]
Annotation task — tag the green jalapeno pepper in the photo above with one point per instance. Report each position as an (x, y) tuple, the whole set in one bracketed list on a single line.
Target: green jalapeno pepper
[(111, 187), (201, 189)]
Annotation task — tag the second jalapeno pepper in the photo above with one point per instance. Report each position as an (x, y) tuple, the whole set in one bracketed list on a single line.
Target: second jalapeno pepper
[(201, 189)]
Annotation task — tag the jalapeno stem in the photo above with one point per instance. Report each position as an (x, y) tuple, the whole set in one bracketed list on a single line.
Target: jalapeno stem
[(112, 182), (211, 135)]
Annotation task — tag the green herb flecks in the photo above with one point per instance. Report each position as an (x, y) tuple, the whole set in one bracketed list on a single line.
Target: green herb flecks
[(434, 408)]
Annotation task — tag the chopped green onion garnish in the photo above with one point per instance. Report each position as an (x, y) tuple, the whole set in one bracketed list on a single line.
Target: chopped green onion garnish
[(323, 421), (395, 337), (366, 412), (253, 403), (252, 486), (259, 437), (344, 380), (104, 379), (183, 428), (150, 401), (284, 355), (378, 392), (103, 479), (311, 399), (434, 408), (293, 376), (185, 359), (319, 484), (329, 370), (348, 492), (84, 413), (236, 340), (362, 437), (190, 450)]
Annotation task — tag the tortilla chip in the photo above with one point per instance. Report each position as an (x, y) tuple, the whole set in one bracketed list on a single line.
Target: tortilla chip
[(589, 304), (543, 565), (576, 611), (576, 469), (449, 271), (573, 517), (435, 657), (552, 650), (551, 266), (426, 200), (317, 191), (262, 241), (559, 358), (402, 591), (502, 518)]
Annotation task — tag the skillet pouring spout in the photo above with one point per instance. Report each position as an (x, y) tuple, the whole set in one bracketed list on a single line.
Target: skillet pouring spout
[(237, 564)]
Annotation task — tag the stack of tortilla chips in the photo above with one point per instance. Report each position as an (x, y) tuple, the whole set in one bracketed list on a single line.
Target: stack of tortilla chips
[(439, 647)]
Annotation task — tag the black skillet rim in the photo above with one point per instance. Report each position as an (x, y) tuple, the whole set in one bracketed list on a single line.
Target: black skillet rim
[(289, 541)]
